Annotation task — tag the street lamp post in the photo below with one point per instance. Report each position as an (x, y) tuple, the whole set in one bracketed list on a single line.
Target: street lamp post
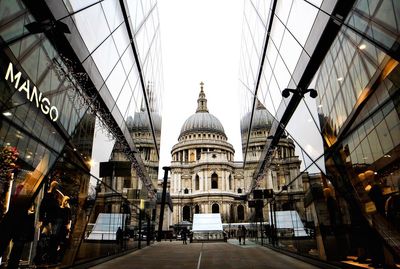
[(163, 197)]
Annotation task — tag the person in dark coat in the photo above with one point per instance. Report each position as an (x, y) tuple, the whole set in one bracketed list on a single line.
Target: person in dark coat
[(244, 231), (26, 233), (184, 236), (239, 234), (119, 237)]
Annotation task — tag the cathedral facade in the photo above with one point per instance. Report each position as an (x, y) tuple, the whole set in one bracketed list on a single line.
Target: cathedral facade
[(206, 179)]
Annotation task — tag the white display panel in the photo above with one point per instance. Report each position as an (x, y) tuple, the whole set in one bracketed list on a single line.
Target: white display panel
[(207, 222)]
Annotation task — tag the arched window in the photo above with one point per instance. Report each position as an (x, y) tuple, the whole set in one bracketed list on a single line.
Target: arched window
[(240, 212), (186, 191), (214, 181), (230, 183), (215, 208), (232, 213), (239, 190), (197, 182), (197, 209), (186, 213)]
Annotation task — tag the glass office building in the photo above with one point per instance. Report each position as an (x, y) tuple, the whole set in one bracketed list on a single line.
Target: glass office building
[(74, 75), (346, 133)]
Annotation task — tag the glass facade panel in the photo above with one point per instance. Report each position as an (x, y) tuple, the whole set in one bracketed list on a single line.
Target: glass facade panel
[(283, 10), (116, 80), (91, 23), (113, 13), (301, 31), (290, 50), (51, 101), (124, 98), (121, 40), (106, 57), (352, 171)]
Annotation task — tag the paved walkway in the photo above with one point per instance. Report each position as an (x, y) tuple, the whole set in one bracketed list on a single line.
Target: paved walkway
[(168, 255)]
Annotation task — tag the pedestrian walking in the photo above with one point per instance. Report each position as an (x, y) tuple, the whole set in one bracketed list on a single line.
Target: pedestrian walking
[(119, 237), (239, 234), (244, 231), (184, 236)]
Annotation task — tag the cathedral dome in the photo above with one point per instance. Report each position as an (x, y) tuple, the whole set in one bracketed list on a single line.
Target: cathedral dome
[(202, 120), (262, 119), (140, 122)]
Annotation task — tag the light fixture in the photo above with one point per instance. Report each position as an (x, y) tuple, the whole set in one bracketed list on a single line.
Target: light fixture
[(368, 187), (286, 92), (320, 106), (91, 163), (387, 156), (340, 79), (362, 46), (7, 114)]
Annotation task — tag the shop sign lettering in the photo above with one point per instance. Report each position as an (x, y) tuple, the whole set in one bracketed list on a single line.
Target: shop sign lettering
[(32, 93)]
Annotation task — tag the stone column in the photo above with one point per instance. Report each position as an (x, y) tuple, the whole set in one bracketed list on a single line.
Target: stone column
[(222, 180), (274, 180), (201, 182), (269, 180), (205, 181)]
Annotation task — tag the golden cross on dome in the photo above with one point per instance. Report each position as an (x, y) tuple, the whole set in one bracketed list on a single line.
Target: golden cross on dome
[(201, 84)]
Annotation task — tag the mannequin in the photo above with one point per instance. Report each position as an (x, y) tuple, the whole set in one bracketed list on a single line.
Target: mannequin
[(50, 225), (65, 216), (49, 207)]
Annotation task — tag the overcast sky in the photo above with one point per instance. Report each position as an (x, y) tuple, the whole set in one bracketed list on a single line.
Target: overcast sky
[(200, 41)]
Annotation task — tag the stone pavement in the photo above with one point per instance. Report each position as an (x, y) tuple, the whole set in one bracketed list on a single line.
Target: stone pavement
[(219, 255)]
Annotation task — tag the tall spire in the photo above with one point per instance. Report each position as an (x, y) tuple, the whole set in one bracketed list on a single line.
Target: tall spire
[(202, 101)]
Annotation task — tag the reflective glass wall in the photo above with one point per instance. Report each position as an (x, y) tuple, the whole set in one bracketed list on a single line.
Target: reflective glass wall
[(341, 179), (78, 82)]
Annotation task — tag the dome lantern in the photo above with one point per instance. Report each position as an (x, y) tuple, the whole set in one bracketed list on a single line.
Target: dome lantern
[(202, 120), (202, 100)]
